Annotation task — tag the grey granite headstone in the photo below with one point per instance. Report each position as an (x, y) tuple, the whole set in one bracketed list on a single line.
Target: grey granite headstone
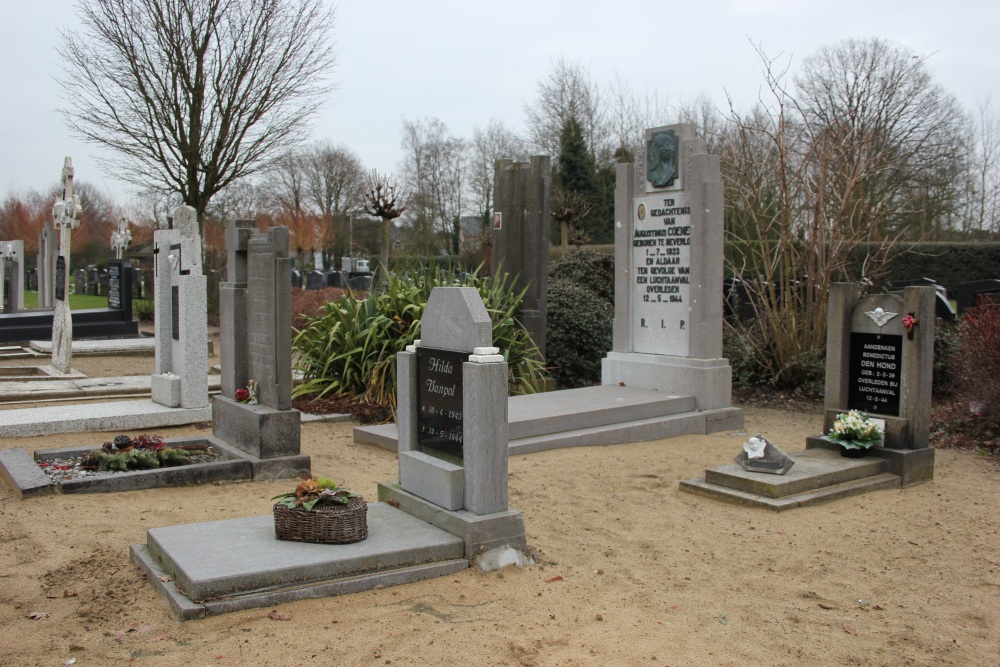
[(256, 330), (48, 250), (880, 360), (454, 361), (181, 326)]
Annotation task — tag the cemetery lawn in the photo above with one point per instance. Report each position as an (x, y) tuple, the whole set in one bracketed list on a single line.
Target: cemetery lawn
[(76, 301), (631, 571)]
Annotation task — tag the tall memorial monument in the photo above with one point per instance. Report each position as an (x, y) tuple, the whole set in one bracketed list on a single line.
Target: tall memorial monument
[(66, 217), (669, 270), (521, 222)]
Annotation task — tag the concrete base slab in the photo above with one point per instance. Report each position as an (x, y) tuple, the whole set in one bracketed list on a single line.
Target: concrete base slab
[(819, 475), (432, 479), (479, 532), (256, 429), (223, 566), (605, 415), (710, 381), (913, 466), (117, 416), (37, 373), (141, 346), (82, 388)]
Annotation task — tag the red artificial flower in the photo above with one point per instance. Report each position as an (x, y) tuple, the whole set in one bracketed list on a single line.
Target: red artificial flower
[(242, 394)]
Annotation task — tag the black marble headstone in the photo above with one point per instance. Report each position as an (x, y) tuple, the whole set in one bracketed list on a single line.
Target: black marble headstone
[(439, 399)]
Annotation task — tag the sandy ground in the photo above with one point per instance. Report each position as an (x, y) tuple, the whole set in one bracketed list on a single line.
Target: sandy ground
[(631, 570)]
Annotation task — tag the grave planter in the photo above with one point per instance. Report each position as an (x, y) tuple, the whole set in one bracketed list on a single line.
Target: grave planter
[(856, 453), (326, 523)]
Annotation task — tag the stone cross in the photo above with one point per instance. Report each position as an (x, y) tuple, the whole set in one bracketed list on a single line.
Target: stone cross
[(121, 238), (66, 217)]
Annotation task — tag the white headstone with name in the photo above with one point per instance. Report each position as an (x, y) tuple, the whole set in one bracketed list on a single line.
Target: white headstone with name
[(65, 217)]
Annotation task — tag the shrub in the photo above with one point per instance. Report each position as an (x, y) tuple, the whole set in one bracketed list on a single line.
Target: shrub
[(977, 365), (593, 268), (349, 351), (308, 304), (143, 309), (578, 333)]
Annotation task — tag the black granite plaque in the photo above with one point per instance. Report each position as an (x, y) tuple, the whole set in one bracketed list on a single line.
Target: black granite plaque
[(175, 312), (114, 285), (60, 278), (439, 400), (875, 370)]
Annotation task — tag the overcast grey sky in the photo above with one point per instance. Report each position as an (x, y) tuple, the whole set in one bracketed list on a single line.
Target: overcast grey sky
[(467, 61)]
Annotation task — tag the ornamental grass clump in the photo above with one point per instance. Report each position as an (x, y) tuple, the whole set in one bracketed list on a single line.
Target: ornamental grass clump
[(312, 492), (855, 430), (349, 351)]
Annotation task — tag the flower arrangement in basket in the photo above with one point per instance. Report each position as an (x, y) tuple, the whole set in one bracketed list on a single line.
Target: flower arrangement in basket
[(855, 430), (320, 511)]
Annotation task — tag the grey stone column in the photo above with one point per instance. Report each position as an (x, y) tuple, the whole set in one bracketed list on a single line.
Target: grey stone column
[(624, 271), (918, 367), (840, 307), (484, 430), (406, 399)]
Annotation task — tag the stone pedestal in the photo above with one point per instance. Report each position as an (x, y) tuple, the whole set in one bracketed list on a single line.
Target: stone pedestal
[(256, 429)]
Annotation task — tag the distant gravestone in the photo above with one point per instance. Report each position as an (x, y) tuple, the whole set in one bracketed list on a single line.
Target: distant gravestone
[(12, 279), (48, 250), (315, 280), (668, 274), (181, 378), (255, 331), (880, 360), (79, 281), (521, 224), (93, 280), (968, 294)]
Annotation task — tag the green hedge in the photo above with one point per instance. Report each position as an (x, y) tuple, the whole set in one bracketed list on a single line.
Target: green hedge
[(948, 264)]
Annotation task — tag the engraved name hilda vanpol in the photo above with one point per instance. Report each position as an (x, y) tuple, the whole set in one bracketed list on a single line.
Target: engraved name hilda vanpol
[(439, 400)]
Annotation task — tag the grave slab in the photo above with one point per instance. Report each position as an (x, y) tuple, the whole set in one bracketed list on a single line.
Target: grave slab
[(141, 346), (109, 416), (23, 475), (234, 557), (603, 415), (819, 475)]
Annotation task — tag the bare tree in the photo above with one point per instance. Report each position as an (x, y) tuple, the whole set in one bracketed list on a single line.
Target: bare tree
[(891, 128), (333, 176), (384, 198), (434, 165), (191, 95), (489, 144), (566, 92)]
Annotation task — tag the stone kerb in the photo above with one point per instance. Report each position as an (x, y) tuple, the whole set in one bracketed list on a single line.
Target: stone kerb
[(669, 271), (181, 326), (877, 364), (255, 330)]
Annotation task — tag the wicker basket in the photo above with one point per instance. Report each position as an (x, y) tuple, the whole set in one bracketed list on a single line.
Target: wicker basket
[(327, 523)]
